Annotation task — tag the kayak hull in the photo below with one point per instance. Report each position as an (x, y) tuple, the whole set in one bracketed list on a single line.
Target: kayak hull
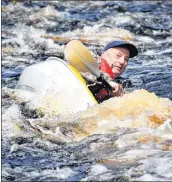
[(55, 87)]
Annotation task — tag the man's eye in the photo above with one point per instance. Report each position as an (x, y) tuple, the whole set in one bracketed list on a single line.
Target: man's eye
[(118, 55)]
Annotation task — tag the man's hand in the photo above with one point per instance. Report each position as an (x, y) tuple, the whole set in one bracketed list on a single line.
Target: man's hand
[(118, 90)]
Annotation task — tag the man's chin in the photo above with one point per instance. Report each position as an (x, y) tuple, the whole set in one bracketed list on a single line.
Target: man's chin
[(116, 73)]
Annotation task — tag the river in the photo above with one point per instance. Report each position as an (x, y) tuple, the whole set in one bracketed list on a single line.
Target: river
[(127, 138)]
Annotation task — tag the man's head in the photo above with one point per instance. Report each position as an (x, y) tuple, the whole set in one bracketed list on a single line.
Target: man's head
[(117, 54)]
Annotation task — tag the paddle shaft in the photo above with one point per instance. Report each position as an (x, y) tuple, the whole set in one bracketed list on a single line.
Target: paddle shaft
[(105, 83), (95, 72), (81, 58)]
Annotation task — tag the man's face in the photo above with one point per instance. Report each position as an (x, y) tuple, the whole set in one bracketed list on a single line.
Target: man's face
[(117, 58)]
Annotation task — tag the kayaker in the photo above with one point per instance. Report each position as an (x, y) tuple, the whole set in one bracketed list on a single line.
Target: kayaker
[(113, 62)]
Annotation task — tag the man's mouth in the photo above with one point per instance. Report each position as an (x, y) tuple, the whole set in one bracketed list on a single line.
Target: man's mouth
[(116, 67)]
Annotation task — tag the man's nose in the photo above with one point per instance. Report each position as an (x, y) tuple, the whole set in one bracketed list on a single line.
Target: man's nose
[(122, 60)]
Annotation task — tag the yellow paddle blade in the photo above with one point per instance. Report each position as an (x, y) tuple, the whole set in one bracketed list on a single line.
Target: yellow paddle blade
[(80, 57)]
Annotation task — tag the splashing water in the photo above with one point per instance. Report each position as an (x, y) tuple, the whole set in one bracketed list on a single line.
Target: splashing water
[(125, 138), (134, 110)]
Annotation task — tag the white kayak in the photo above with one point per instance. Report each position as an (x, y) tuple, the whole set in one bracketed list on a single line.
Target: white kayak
[(55, 87)]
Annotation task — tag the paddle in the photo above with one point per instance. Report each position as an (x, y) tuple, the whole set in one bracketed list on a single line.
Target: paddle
[(81, 59)]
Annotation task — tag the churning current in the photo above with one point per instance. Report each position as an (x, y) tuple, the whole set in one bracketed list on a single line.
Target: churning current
[(125, 138)]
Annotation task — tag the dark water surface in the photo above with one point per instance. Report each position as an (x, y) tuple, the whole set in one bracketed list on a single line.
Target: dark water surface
[(32, 31)]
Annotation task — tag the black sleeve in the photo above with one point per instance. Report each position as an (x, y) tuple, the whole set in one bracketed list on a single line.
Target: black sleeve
[(126, 83)]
